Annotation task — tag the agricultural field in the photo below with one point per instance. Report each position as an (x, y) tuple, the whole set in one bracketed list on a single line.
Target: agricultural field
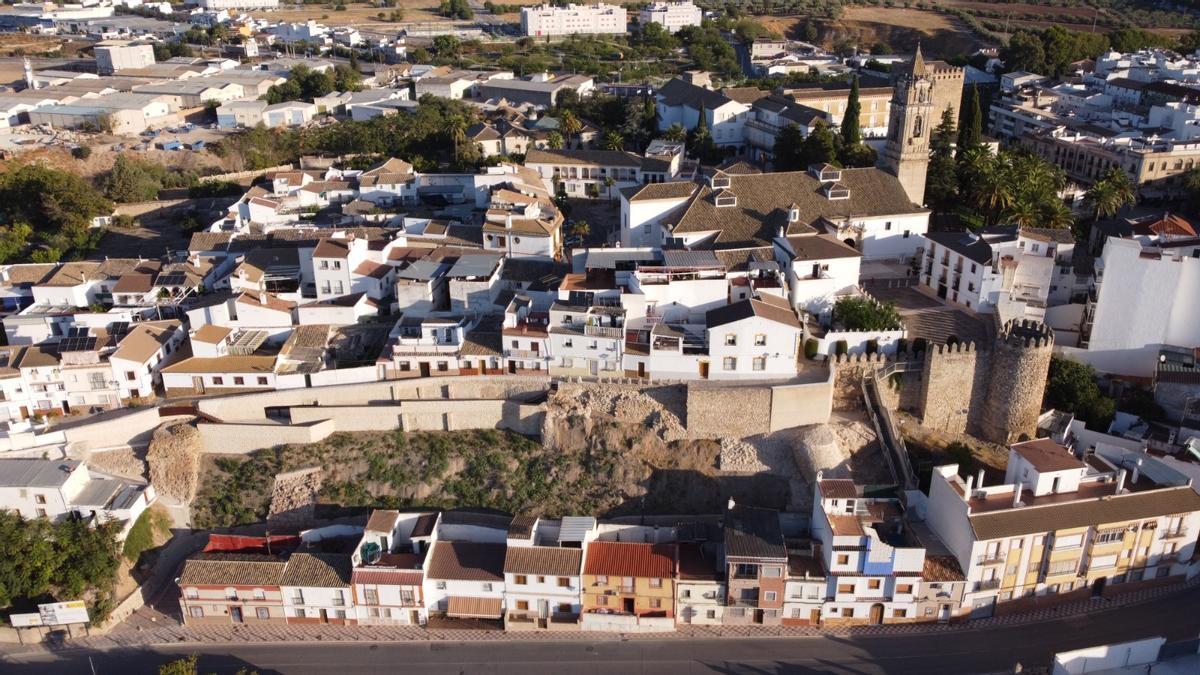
[(939, 34), (365, 14)]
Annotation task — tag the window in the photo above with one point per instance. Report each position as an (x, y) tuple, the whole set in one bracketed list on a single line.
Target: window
[(843, 559), (770, 596), (1162, 571), (847, 612), (130, 375), (760, 340), (371, 595), (260, 594), (730, 339), (41, 513), (904, 589), (656, 583), (729, 363), (601, 600), (564, 582), (1067, 540), (1110, 536), (192, 593), (602, 580), (520, 580), (218, 380), (298, 597), (773, 572), (564, 608), (759, 363), (899, 613), (262, 613), (711, 614), (196, 612), (1063, 567), (487, 587), (263, 381), (522, 605), (887, 227), (441, 585), (845, 588), (39, 499), (341, 614), (873, 584), (231, 594), (655, 603), (239, 381)]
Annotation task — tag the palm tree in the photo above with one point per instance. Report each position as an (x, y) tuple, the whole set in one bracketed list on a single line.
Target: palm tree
[(569, 124), (675, 132), (581, 229), (614, 141), (1107, 196), (554, 140), (1023, 213), (609, 182), (1057, 215), (457, 128)]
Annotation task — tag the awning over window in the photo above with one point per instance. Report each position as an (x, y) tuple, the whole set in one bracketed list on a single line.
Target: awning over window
[(473, 608)]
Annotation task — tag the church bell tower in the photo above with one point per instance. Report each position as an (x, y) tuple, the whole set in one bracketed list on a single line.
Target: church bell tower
[(906, 155)]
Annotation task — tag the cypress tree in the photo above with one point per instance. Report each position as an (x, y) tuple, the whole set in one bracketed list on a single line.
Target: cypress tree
[(970, 131), (851, 133)]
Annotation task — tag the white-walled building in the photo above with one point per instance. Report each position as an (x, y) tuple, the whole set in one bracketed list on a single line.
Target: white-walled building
[(58, 488), (556, 20), (465, 579), (541, 577), (672, 16), (113, 56), (680, 102), (753, 339), (140, 356), (316, 589)]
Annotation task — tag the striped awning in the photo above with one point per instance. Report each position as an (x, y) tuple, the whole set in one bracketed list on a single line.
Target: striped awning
[(473, 608)]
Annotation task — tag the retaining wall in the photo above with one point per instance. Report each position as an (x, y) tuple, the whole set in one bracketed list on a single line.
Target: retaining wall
[(133, 428), (728, 411), (241, 438), (797, 405)]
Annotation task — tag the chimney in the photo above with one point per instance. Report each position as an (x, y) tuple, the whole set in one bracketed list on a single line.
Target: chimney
[(979, 479), (1016, 495), (1121, 481), (262, 297), (970, 482), (508, 222), (1137, 471)]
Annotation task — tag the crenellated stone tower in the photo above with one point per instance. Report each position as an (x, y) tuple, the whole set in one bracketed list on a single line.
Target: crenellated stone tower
[(910, 125), (1019, 367)]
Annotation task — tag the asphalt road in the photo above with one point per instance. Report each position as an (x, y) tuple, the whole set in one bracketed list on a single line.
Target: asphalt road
[(973, 651)]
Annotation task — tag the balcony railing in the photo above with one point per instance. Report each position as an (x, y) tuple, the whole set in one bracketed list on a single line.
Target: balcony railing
[(604, 331), (992, 558), (987, 585), (523, 353), (1178, 533)]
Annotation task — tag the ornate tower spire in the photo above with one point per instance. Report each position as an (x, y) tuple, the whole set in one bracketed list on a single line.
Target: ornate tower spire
[(910, 122)]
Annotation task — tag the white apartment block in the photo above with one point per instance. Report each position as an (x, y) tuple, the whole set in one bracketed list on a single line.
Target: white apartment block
[(550, 21), (672, 16), (1060, 524)]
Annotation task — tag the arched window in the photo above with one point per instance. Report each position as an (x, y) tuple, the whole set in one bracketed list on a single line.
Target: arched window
[(918, 127)]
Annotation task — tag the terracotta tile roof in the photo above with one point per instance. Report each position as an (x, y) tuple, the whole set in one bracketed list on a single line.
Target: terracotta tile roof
[(763, 202), (622, 559), (387, 577), (424, 525), (745, 309), (526, 226), (545, 560), (1048, 234), (1085, 512), (71, 274), (382, 521), (1046, 455), (331, 248), (36, 357), (211, 333), (134, 282), (224, 364), (941, 568), (821, 247), (145, 340), (838, 488), (272, 302), (466, 561), (231, 569), (28, 274), (474, 608), (583, 157), (317, 570), (652, 191), (372, 269), (521, 527)]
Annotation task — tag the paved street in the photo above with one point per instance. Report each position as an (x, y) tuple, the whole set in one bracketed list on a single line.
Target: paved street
[(995, 649)]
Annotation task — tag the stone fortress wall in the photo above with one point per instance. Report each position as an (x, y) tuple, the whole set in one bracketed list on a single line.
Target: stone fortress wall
[(993, 392)]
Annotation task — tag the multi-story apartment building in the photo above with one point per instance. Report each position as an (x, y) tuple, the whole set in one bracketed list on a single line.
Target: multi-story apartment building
[(541, 575), (873, 567), (554, 21), (671, 15), (596, 174), (756, 561), (628, 585), (1062, 527)]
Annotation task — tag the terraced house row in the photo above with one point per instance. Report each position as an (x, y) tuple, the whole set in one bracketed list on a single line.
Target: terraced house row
[(1067, 522)]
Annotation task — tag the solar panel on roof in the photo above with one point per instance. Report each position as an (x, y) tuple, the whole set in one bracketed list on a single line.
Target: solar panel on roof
[(77, 331), (77, 344), (118, 327), (172, 279)]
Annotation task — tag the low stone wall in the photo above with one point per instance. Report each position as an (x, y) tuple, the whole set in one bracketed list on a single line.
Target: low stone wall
[(719, 411), (132, 428), (241, 438)]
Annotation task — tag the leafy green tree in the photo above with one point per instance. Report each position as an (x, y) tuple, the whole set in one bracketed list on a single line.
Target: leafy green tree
[(1071, 387), (447, 46), (129, 181), (859, 313), (581, 229), (789, 149), (183, 666), (555, 140), (970, 131), (31, 573), (1024, 51), (1108, 195), (58, 205), (941, 180), (675, 132), (14, 239), (819, 148)]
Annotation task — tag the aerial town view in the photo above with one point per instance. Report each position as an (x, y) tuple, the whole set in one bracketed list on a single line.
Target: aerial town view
[(674, 336)]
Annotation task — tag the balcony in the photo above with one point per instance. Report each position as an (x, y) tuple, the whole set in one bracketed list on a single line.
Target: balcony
[(604, 331), (987, 585), (523, 353), (1178, 533), (992, 558)]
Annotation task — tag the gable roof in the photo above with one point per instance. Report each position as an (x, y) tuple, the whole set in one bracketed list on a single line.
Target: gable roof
[(317, 570), (744, 309), (625, 559), (466, 561), (678, 92), (231, 569), (753, 533), (580, 156), (763, 202), (1084, 512), (966, 244), (545, 560), (821, 247), (145, 340)]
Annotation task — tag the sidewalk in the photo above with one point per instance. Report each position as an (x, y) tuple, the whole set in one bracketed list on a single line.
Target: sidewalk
[(141, 637)]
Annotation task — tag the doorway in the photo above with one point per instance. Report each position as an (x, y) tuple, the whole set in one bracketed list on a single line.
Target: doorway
[(424, 369), (66, 407), (235, 613), (593, 368), (24, 412), (414, 617), (642, 369), (1098, 587), (876, 614), (198, 384), (704, 370), (628, 605), (944, 614), (758, 616), (324, 616), (512, 367), (814, 617)]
